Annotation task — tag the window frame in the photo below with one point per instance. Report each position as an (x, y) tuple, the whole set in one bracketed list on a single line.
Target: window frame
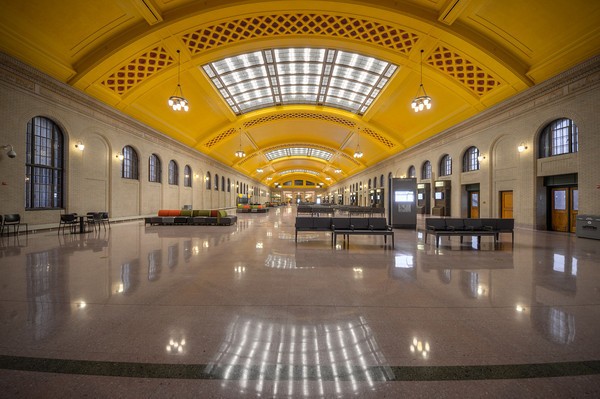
[(53, 170), (173, 173), (154, 169), (471, 159), (187, 176), (426, 170), (446, 165), (549, 145)]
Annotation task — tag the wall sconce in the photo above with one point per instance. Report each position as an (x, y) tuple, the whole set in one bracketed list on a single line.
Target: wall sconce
[(79, 146), (522, 147), (196, 175), (481, 158), (11, 152), (120, 157)]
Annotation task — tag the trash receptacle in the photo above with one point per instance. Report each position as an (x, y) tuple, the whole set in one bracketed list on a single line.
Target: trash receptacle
[(588, 226)]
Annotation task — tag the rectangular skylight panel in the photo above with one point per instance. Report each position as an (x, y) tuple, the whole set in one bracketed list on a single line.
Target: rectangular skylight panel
[(321, 154), (310, 68), (238, 62), (248, 85), (350, 85), (298, 98), (354, 74), (256, 103), (246, 74), (288, 80), (357, 97), (253, 94), (299, 89), (299, 54), (298, 151), (276, 154)]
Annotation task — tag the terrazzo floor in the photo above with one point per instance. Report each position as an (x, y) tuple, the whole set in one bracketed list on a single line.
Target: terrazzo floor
[(243, 312)]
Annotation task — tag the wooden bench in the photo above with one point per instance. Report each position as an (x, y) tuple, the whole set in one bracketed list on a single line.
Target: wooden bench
[(469, 227)]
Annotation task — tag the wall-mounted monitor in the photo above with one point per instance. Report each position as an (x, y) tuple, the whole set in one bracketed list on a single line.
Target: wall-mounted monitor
[(420, 196), (439, 195), (404, 196)]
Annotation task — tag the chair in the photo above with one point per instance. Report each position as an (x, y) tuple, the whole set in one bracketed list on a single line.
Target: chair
[(94, 219), (67, 219), (13, 220), (105, 219)]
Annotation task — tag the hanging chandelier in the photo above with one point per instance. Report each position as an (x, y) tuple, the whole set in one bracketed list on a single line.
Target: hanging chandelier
[(177, 101), (240, 153), (422, 100), (358, 153)]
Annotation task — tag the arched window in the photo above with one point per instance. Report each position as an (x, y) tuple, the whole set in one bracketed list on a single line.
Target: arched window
[(154, 169), (369, 184), (216, 182), (207, 180), (237, 187), (130, 164), (187, 176), (381, 181), (426, 170), (222, 183), (412, 172), (44, 161), (559, 137), (228, 185), (173, 173), (471, 159), (446, 165)]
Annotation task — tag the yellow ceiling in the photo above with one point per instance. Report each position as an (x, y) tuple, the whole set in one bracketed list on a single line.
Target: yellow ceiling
[(476, 53)]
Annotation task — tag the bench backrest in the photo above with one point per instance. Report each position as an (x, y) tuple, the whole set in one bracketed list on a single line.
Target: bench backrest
[(378, 224), (360, 223), (435, 224), (505, 224), (455, 224), (340, 223)]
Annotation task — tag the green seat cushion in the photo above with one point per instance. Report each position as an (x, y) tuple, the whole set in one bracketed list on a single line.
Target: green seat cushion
[(222, 213)]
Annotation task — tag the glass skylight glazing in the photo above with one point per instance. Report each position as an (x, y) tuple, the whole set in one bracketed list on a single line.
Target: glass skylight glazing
[(298, 152), (273, 77), (310, 172)]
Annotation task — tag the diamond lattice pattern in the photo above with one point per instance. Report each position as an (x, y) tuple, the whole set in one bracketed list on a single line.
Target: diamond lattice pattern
[(463, 70), (138, 69)]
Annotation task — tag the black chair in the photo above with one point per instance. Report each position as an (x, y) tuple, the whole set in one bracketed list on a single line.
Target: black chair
[(13, 220), (105, 219), (67, 219), (94, 220)]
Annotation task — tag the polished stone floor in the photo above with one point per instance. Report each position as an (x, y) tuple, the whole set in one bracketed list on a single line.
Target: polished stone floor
[(242, 311)]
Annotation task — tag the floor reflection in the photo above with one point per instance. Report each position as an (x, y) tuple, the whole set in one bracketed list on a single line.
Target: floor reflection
[(286, 355)]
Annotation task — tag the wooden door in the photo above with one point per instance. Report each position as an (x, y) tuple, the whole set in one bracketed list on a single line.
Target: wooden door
[(474, 204), (560, 209), (506, 204), (574, 208)]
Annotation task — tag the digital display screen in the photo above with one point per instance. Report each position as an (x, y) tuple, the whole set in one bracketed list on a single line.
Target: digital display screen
[(420, 196), (404, 196), (439, 196)]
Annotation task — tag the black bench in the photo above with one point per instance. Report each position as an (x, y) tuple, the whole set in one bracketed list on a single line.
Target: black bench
[(360, 226), (469, 227), (310, 223)]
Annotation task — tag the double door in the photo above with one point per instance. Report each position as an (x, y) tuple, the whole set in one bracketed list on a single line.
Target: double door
[(564, 208)]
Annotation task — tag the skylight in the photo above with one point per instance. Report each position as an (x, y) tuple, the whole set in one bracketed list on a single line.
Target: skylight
[(310, 172), (298, 152), (314, 76)]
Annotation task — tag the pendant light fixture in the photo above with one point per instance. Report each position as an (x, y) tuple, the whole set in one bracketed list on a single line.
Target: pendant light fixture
[(240, 153), (358, 153), (422, 100), (177, 101)]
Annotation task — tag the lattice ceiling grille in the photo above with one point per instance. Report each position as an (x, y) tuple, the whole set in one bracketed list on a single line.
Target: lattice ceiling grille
[(360, 29), (137, 70), (462, 69)]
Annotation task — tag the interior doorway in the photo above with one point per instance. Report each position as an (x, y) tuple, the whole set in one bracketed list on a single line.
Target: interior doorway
[(474, 204), (506, 204), (564, 208)]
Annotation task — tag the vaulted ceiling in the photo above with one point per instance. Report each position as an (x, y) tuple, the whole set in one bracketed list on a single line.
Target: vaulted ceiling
[(131, 54)]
